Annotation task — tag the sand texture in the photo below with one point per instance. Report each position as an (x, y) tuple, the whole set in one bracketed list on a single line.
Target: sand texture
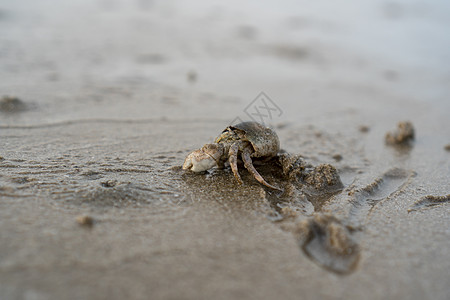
[(101, 101)]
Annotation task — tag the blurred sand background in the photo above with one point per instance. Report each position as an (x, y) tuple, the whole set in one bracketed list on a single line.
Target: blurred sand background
[(114, 94)]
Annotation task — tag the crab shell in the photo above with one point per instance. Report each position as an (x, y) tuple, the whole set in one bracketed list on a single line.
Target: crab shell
[(264, 140)]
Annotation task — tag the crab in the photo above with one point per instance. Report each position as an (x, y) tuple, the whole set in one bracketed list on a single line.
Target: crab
[(247, 139)]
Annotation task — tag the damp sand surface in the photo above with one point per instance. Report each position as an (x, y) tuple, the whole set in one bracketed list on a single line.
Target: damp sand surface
[(95, 124)]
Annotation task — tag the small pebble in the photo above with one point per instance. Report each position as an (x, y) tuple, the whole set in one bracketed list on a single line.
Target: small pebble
[(10, 104), (337, 157), (364, 128), (109, 183), (86, 221), (404, 134)]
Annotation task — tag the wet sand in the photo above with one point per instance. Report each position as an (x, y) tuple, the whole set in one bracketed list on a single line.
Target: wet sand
[(94, 204)]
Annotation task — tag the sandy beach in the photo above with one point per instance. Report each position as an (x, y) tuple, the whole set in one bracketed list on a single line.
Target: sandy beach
[(101, 101)]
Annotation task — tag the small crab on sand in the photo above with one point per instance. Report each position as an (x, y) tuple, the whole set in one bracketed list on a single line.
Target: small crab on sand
[(249, 139)]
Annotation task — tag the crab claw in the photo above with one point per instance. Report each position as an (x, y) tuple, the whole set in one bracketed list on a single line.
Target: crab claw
[(203, 159)]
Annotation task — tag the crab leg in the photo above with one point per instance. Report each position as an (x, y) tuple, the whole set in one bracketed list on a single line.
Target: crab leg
[(249, 166), (232, 154)]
